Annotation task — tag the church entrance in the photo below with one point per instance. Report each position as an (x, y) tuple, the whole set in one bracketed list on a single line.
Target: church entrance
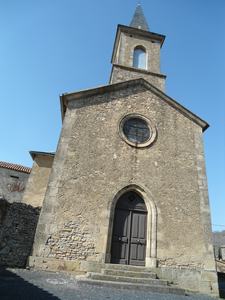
[(129, 230)]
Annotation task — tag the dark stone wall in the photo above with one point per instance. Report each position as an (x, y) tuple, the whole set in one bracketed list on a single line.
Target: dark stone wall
[(18, 223)]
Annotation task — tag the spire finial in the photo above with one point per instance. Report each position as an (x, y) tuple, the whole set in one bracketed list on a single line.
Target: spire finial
[(139, 20)]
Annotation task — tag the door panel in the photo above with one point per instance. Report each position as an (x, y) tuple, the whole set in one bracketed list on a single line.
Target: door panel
[(138, 238), (120, 237)]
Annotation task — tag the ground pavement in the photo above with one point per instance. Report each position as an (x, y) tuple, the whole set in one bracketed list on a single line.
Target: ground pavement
[(23, 284)]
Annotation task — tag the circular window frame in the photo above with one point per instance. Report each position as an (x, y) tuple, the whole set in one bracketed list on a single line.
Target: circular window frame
[(152, 129)]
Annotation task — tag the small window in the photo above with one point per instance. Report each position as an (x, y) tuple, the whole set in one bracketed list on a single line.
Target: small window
[(15, 177), (139, 58)]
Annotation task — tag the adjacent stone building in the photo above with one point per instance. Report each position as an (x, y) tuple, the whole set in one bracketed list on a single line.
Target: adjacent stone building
[(13, 179), (17, 220), (128, 182), (219, 242), (38, 179)]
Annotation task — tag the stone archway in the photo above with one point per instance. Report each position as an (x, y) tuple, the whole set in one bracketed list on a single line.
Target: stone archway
[(150, 257), (128, 244)]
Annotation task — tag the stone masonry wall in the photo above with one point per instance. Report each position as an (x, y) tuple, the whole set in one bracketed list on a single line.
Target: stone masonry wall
[(71, 243), (92, 164), (123, 62), (124, 55), (17, 228), (120, 73)]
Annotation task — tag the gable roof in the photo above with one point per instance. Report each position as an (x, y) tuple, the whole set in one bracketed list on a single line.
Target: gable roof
[(15, 167), (65, 98)]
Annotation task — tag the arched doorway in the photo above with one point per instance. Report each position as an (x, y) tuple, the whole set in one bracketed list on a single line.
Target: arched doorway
[(129, 230)]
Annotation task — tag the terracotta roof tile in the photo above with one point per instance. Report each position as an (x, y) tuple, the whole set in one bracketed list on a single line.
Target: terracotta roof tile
[(15, 167)]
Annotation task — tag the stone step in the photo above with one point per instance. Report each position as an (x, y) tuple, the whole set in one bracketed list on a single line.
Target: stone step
[(133, 286), (125, 273), (103, 277), (127, 268)]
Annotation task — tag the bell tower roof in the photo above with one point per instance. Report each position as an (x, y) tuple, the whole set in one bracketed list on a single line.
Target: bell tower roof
[(139, 20)]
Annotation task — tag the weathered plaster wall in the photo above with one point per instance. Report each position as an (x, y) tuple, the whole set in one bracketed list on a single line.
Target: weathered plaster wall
[(38, 180), (17, 228), (93, 163), (12, 184)]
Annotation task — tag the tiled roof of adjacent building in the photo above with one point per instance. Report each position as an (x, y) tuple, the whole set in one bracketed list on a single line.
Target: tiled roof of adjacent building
[(15, 167)]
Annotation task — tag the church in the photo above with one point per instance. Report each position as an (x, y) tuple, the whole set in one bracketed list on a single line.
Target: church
[(127, 185)]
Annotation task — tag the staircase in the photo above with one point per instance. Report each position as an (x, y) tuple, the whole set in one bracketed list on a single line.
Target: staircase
[(130, 277)]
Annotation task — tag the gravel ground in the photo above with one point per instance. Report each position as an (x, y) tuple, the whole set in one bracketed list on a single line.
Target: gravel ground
[(24, 284)]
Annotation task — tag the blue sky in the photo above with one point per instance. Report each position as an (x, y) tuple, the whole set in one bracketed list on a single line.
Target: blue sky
[(49, 47)]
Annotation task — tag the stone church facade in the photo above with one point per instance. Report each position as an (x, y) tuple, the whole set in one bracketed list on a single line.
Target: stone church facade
[(128, 182)]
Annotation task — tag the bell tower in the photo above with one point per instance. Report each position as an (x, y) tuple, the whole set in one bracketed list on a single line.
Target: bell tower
[(136, 52)]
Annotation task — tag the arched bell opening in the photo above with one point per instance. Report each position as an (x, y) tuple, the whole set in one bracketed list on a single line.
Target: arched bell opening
[(140, 58)]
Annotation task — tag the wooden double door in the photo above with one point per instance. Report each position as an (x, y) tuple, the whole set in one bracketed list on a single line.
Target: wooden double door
[(129, 231)]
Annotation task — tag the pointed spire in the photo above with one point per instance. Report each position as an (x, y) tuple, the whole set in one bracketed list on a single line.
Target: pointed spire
[(139, 20)]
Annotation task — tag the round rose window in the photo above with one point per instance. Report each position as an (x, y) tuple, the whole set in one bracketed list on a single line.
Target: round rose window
[(137, 131)]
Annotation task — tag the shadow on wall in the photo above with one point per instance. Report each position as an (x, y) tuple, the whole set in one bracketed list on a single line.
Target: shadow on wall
[(14, 287), (18, 223)]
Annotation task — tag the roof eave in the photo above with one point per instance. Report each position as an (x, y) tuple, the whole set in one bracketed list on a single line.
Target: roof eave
[(33, 154), (149, 34)]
